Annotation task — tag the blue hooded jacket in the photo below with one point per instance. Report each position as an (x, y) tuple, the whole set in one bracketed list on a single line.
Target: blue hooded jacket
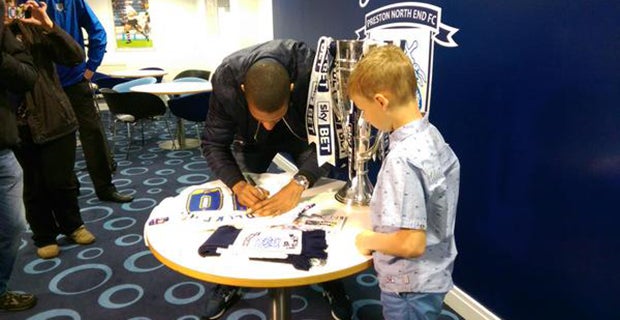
[(72, 16)]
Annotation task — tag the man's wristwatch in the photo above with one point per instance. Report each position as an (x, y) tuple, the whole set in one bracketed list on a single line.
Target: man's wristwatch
[(302, 181)]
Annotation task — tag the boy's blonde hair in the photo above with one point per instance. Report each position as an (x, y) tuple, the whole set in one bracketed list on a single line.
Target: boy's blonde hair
[(384, 69)]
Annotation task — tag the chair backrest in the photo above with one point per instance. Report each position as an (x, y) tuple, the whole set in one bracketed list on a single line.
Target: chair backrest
[(192, 107), (190, 79), (125, 86), (98, 75), (187, 79), (158, 78), (138, 104), (204, 74), (109, 82)]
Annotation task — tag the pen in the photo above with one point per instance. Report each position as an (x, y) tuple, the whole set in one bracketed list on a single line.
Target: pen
[(252, 182), (305, 209)]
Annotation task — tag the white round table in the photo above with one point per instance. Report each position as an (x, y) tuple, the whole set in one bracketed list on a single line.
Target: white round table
[(180, 87), (176, 246), (137, 73)]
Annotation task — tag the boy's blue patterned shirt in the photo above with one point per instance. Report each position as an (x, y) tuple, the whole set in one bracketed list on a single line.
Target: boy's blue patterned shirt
[(417, 188)]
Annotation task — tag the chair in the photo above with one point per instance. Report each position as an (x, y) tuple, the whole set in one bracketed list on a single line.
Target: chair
[(102, 80), (204, 74), (187, 79), (190, 79), (134, 107), (191, 107), (109, 82), (125, 86), (159, 78)]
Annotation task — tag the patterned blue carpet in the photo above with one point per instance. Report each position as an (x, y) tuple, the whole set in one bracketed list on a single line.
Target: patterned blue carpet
[(118, 278)]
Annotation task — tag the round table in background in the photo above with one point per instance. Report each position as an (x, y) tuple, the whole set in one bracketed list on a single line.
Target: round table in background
[(138, 73), (176, 88)]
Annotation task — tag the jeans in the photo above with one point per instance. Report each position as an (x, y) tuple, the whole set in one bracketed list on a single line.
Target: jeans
[(12, 220), (411, 305)]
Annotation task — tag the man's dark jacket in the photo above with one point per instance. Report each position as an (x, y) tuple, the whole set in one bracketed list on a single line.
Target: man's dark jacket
[(229, 120), (17, 74)]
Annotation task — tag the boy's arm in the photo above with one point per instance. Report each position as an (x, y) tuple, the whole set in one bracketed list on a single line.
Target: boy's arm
[(404, 243)]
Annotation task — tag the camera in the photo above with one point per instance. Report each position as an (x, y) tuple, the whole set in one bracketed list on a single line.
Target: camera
[(18, 12)]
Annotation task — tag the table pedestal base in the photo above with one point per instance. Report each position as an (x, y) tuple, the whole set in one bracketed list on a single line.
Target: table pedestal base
[(280, 308), (176, 145)]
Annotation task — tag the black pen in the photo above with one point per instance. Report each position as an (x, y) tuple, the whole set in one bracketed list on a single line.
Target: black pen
[(253, 183), (250, 180)]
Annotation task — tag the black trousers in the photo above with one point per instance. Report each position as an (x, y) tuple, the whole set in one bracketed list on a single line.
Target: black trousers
[(96, 153), (50, 189)]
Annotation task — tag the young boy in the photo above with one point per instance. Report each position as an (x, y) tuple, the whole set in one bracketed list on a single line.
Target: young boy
[(413, 205)]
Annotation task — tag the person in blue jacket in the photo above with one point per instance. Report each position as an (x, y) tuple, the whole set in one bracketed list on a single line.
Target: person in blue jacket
[(73, 16)]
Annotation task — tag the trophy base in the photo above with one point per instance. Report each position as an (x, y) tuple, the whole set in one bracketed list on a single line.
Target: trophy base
[(356, 191)]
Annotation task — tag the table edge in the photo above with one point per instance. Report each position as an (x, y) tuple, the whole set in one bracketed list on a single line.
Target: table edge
[(262, 283), (169, 92), (128, 74)]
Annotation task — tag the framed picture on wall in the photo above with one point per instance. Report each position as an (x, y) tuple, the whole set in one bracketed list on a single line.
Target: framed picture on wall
[(132, 24)]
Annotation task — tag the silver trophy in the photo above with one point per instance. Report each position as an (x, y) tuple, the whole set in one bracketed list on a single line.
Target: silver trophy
[(357, 132)]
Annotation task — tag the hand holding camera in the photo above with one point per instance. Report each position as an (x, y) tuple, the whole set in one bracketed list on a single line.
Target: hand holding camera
[(31, 12), (16, 12)]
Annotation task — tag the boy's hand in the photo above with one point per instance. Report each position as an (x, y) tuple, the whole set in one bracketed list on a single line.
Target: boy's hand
[(361, 240)]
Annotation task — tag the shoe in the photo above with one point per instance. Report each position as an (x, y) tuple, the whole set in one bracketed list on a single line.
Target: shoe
[(338, 300), (222, 297), (114, 196), (13, 301), (82, 236), (49, 251)]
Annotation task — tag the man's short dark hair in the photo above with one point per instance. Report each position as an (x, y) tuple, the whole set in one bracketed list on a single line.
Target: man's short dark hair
[(267, 85)]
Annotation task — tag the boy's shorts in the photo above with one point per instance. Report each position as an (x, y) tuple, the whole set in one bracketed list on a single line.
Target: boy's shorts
[(411, 305)]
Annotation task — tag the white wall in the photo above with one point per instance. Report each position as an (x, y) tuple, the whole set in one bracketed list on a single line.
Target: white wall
[(189, 34)]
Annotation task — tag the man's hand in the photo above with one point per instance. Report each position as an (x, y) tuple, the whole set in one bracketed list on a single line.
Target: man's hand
[(249, 195), (285, 200), (361, 241), (88, 74)]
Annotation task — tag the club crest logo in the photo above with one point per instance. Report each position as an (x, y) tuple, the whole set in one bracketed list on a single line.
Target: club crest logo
[(415, 27)]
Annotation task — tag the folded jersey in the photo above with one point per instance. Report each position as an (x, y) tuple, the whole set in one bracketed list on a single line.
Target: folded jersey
[(313, 242)]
